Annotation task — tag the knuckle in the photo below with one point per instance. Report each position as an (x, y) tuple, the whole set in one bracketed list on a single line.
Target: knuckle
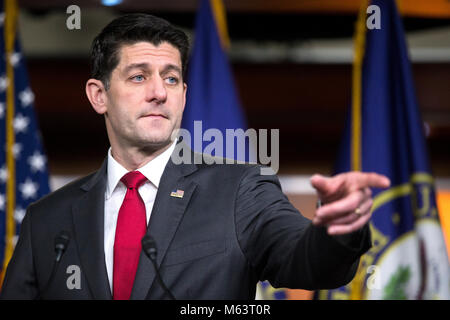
[(361, 195), (355, 202)]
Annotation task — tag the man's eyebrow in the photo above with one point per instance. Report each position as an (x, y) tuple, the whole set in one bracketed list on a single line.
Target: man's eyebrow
[(171, 67), (132, 66), (145, 66)]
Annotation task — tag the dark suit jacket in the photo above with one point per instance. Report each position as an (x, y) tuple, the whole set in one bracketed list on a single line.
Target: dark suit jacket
[(231, 228)]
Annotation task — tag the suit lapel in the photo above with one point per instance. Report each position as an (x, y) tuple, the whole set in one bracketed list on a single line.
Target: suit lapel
[(88, 217), (166, 216)]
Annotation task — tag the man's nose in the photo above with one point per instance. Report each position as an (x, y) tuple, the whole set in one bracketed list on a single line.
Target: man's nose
[(156, 90)]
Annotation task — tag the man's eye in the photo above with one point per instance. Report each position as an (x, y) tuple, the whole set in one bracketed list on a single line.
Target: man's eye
[(138, 78), (172, 80)]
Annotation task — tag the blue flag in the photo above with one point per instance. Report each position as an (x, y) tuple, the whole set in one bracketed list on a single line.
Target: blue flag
[(212, 102), (213, 112), (28, 173), (385, 134)]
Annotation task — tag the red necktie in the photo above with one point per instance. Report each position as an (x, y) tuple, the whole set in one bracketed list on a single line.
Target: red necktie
[(131, 227)]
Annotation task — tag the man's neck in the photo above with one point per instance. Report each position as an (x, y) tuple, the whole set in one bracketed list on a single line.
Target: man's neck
[(133, 158)]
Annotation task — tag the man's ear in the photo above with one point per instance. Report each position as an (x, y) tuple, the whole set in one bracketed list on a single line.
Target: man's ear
[(96, 93), (184, 94)]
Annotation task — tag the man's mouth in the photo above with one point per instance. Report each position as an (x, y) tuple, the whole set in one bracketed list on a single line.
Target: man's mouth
[(155, 116)]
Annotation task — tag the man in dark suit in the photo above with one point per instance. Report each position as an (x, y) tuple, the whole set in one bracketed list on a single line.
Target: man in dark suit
[(218, 229)]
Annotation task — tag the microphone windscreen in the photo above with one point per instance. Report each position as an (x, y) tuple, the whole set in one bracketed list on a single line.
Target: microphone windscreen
[(62, 240)]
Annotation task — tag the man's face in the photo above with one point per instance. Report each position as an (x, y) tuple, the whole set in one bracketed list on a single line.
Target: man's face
[(146, 98)]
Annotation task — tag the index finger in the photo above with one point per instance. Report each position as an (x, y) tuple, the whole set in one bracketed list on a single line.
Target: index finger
[(374, 180)]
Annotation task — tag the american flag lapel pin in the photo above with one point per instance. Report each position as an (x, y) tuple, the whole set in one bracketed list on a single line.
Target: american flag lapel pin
[(177, 193)]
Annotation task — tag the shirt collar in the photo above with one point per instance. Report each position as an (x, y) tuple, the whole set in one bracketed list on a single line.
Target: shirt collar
[(153, 170)]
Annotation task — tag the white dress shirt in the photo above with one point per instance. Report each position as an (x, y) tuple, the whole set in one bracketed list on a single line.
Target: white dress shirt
[(115, 193)]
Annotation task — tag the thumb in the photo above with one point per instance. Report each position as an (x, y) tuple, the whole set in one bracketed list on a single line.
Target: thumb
[(319, 183)]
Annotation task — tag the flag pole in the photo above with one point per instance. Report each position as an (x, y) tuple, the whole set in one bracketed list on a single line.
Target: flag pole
[(9, 33), (219, 13), (356, 163), (359, 43)]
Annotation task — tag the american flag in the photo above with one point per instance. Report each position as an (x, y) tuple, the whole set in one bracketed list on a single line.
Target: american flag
[(26, 174), (177, 193)]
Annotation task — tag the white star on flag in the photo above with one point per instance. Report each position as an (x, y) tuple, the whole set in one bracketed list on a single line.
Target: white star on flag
[(17, 149), (14, 58), (37, 162), (20, 123), (2, 202), (26, 97), (3, 174), (28, 189), (2, 110), (3, 83), (19, 213)]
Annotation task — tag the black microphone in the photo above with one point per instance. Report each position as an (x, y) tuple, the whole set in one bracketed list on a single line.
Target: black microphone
[(149, 247), (61, 243)]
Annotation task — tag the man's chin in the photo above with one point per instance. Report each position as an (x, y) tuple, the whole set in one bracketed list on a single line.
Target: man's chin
[(155, 144)]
